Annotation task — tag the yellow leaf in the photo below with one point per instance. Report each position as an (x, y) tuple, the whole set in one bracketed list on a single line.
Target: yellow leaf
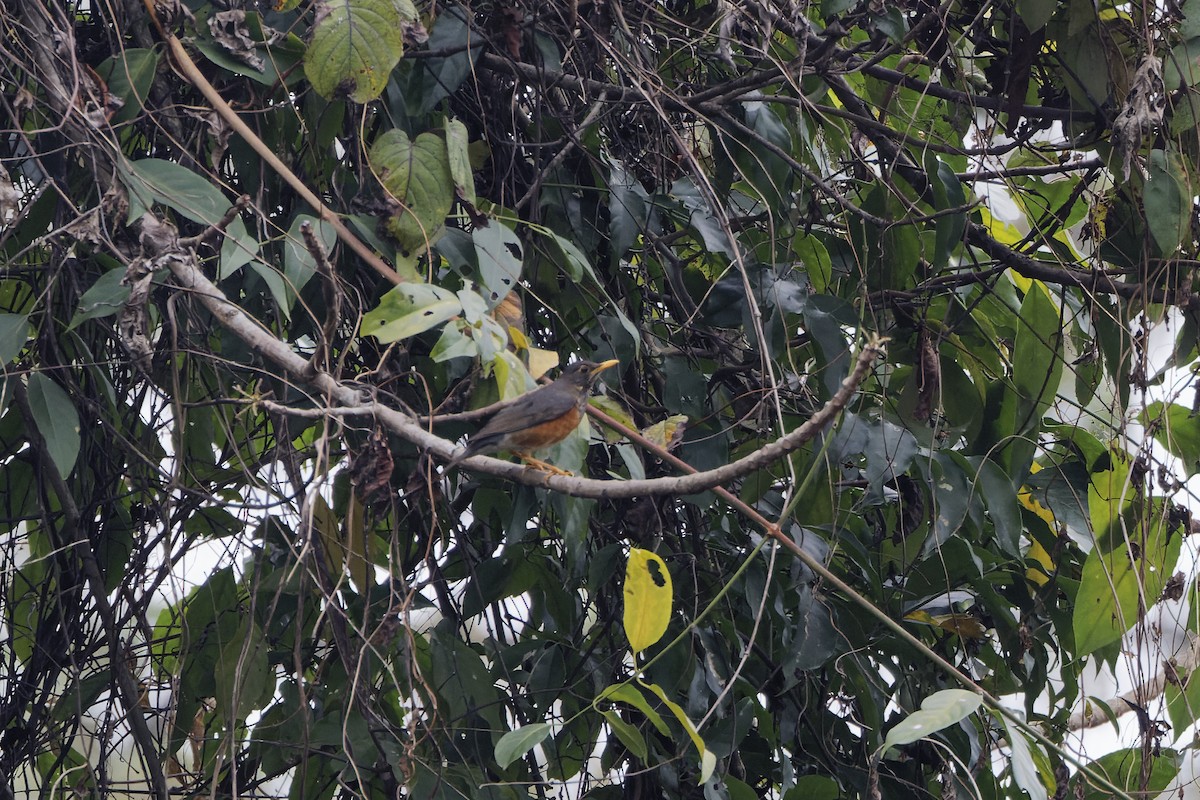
[(358, 561), (708, 759), (541, 361), (613, 407), (1036, 551), (647, 599), (668, 433), (326, 524)]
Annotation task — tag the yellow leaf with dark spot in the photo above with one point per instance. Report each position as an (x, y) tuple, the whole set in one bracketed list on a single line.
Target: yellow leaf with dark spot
[(647, 599)]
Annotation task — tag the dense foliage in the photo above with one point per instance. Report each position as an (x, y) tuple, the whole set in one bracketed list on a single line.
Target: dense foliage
[(910, 286)]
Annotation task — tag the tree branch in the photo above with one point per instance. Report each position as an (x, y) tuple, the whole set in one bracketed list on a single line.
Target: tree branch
[(346, 400)]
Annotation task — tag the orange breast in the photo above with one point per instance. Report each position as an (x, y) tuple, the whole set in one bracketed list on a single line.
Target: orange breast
[(544, 434)]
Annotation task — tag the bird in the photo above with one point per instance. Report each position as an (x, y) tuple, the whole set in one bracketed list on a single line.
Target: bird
[(539, 419)]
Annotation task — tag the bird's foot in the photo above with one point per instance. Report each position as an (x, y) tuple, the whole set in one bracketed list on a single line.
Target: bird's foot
[(544, 466)]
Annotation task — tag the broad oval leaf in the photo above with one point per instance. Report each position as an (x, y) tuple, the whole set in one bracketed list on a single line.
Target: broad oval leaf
[(1168, 201), (498, 252), (409, 309), (517, 743), (417, 174), (647, 599), (1177, 429), (56, 419), (355, 44), (1120, 579), (939, 710)]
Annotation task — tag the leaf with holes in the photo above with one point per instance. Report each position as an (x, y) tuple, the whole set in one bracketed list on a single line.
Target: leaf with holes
[(498, 251), (409, 309)]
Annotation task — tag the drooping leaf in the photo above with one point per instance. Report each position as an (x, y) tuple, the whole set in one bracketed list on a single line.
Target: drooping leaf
[(299, 265), (460, 160), (648, 598), (708, 759), (1024, 767), (520, 741), (629, 735), (56, 419), (153, 180), (499, 254), (631, 694), (1168, 200), (939, 710)]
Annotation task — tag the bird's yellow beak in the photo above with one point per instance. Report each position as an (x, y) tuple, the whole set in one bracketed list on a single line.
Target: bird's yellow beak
[(603, 365)]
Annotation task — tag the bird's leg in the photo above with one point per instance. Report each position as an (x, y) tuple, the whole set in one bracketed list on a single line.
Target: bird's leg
[(537, 463)]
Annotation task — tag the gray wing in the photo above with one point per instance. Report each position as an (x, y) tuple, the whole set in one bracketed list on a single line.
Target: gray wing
[(521, 415)]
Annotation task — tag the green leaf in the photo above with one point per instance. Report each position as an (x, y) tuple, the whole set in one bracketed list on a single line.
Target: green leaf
[(238, 249), (1024, 767), (1036, 13), (648, 599), (1177, 429), (1037, 353), (104, 298), (355, 44), (948, 194), (1120, 579), (244, 674), (1002, 508), (417, 175), (498, 252), (575, 264), (443, 75), (629, 735), (457, 144), (1168, 201), (129, 77), (939, 710), (813, 787), (56, 419), (153, 180), (631, 694), (809, 251), (409, 309), (14, 332), (951, 495), (1138, 773), (298, 263), (454, 344), (517, 743), (708, 759)]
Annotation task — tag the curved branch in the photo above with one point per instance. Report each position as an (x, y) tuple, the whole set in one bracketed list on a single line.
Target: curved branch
[(347, 400)]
